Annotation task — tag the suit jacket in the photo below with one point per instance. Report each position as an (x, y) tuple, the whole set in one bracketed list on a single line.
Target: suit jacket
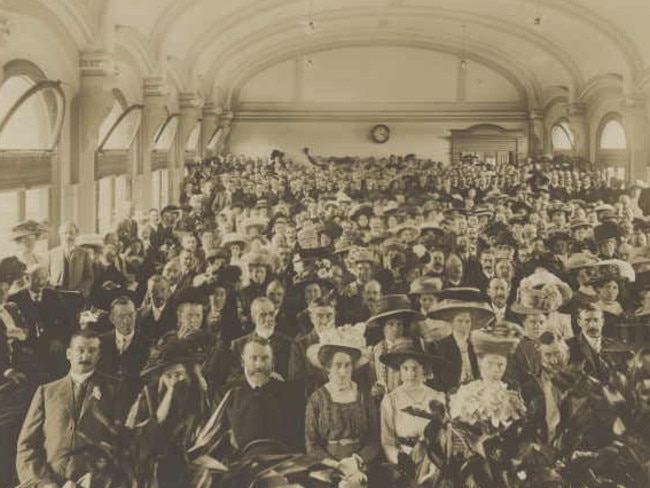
[(595, 364), (532, 392), (80, 274), (52, 428), (155, 329), (448, 376), (13, 353), (46, 319)]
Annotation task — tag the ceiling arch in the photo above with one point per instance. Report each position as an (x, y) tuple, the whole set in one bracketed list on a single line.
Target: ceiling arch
[(523, 80)]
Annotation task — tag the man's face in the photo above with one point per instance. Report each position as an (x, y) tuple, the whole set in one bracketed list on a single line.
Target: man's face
[(591, 323), (38, 280), (187, 260), (258, 274), (264, 319), (68, 235), (364, 271), (83, 354), (553, 359), (169, 218), (498, 291), (454, 269), (257, 361), (323, 318), (123, 318), (190, 318), (276, 295), (437, 262), (372, 292), (172, 272), (160, 293), (487, 263)]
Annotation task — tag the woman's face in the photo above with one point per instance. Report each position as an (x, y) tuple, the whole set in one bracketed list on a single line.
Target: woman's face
[(362, 220), (340, 370), (219, 298), (462, 323), (534, 325), (393, 329), (427, 302), (609, 291), (411, 373), (27, 243), (492, 367), (312, 292)]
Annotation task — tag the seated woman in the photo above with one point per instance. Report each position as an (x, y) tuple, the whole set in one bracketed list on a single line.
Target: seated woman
[(393, 321), (341, 425), (401, 432)]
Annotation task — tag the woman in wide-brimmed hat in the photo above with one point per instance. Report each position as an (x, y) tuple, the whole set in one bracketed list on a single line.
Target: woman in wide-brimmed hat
[(169, 411), (394, 321), (26, 234), (609, 281), (425, 291), (401, 432), (341, 422)]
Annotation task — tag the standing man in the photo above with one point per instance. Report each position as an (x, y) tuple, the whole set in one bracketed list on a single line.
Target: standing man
[(70, 266), (64, 416)]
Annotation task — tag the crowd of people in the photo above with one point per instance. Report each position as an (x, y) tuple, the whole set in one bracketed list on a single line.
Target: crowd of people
[(398, 321)]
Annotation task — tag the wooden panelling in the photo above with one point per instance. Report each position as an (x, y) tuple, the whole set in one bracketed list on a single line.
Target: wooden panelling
[(24, 169), (111, 162)]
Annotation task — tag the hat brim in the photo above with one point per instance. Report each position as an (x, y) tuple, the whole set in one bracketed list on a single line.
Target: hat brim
[(314, 354), (158, 367), (395, 359), (520, 309), (409, 314), (481, 314)]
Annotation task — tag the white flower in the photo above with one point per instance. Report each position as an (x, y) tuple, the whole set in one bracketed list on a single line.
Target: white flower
[(97, 393)]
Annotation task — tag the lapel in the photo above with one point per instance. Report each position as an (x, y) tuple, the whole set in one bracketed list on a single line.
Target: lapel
[(67, 396), (587, 352), (86, 401)]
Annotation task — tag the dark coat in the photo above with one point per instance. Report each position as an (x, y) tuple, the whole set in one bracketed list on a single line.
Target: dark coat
[(281, 346), (447, 377), (155, 329)]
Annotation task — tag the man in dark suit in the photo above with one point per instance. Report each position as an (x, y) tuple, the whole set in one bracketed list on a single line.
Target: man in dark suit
[(124, 351), (64, 416), (70, 266), (589, 347), (47, 321), (127, 227), (158, 315), (263, 315), (164, 231)]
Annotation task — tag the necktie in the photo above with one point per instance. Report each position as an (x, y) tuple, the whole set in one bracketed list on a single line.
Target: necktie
[(66, 270), (552, 412), (79, 390)]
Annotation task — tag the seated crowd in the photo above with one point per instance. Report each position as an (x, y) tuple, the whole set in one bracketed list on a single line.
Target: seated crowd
[(401, 322)]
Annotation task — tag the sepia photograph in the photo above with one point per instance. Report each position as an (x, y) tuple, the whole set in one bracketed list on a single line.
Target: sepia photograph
[(324, 244)]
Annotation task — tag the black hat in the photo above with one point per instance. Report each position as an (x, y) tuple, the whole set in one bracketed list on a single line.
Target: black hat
[(11, 269), (607, 230), (171, 350), (405, 348)]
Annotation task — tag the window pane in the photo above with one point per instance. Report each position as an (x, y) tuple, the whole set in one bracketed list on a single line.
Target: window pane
[(613, 136), (8, 218), (164, 187), (155, 188), (28, 127), (105, 205), (193, 140), (560, 138), (37, 204), (166, 139), (110, 120), (125, 132)]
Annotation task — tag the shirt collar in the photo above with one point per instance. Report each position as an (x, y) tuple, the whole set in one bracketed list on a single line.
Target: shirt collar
[(125, 338), (80, 379)]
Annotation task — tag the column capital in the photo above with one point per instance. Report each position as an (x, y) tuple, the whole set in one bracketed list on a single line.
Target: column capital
[(634, 101), (96, 63), (577, 109), (154, 86), (188, 101), (212, 109), (535, 114)]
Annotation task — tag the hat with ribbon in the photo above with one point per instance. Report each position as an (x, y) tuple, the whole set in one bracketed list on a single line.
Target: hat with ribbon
[(396, 306), (501, 339)]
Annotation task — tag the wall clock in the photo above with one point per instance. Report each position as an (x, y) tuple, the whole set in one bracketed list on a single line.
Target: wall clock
[(380, 133)]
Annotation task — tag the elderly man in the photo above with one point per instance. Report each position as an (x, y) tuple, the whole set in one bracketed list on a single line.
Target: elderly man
[(64, 416), (261, 406), (157, 316), (263, 314), (370, 298), (70, 266)]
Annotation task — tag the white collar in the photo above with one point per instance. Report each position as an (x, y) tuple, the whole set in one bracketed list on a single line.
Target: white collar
[(80, 379), (595, 344), (252, 385), (158, 309), (124, 338)]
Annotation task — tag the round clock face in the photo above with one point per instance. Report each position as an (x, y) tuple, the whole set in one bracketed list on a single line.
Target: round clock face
[(380, 133)]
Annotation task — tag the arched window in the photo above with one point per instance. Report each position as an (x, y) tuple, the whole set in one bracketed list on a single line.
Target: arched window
[(612, 153), (31, 117), (613, 136), (116, 136), (162, 159), (562, 137)]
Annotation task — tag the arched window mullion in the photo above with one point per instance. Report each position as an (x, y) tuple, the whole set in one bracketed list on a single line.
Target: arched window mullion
[(163, 127), (38, 87), (117, 124)]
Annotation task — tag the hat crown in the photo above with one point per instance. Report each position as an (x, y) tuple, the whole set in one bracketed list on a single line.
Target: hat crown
[(390, 303), (350, 336)]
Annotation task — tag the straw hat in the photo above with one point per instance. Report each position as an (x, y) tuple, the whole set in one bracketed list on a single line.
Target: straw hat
[(234, 238), (425, 285), (580, 260), (28, 228), (500, 339), (348, 339), (394, 306), (405, 348)]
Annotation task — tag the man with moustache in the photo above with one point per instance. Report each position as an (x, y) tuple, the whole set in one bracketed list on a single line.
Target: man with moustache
[(261, 406), (589, 347), (263, 314), (370, 299), (65, 416), (437, 263), (498, 290), (157, 316)]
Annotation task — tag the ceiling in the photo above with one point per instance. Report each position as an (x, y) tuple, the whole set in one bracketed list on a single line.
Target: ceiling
[(215, 46)]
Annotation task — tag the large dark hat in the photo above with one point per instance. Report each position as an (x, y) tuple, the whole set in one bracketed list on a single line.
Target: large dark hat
[(361, 209), (481, 312), (462, 294), (11, 269), (394, 306), (607, 230), (406, 348), (171, 350)]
